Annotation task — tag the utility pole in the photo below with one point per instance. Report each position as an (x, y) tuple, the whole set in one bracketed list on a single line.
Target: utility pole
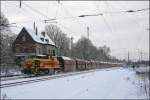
[(34, 26), (88, 32), (20, 3), (141, 53), (58, 1), (128, 57), (71, 42)]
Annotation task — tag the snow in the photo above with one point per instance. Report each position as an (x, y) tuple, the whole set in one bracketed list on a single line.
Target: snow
[(116, 83), (10, 72), (66, 58), (142, 69), (7, 81), (38, 36)]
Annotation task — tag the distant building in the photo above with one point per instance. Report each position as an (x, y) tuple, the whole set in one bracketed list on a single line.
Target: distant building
[(30, 42)]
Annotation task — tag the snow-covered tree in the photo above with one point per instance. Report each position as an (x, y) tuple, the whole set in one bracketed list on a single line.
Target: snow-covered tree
[(7, 38), (59, 38), (84, 49)]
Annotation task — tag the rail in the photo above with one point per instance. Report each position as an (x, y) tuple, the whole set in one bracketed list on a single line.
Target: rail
[(46, 78)]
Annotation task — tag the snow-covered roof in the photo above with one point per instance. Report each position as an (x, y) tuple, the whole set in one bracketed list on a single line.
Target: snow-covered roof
[(41, 55), (66, 58), (39, 37)]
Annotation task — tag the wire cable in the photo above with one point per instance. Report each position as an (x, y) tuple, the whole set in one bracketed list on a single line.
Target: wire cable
[(36, 10), (75, 18)]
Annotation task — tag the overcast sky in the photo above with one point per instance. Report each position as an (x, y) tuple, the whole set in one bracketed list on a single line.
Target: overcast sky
[(121, 31)]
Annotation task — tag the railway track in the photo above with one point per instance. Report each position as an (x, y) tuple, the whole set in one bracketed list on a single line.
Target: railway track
[(18, 77), (14, 77), (45, 78)]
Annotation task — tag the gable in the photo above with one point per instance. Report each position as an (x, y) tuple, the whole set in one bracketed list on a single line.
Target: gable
[(23, 33)]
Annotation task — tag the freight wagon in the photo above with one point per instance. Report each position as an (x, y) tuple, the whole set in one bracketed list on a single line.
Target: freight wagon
[(67, 64), (80, 64)]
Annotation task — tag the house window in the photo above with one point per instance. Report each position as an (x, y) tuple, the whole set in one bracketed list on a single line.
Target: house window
[(23, 38), (43, 33), (26, 50), (49, 51), (53, 52), (39, 51), (21, 50), (33, 50), (17, 50), (47, 40), (42, 39)]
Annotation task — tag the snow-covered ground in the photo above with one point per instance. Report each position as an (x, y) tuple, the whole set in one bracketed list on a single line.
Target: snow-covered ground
[(142, 69), (116, 83), (10, 72)]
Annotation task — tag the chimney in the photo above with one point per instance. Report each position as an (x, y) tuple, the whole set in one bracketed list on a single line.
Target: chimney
[(36, 31), (34, 26), (43, 33)]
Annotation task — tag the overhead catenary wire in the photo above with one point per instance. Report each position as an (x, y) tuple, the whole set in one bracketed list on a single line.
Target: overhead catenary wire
[(22, 11), (88, 15), (114, 24), (73, 17), (40, 20), (37, 11), (47, 17), (138, 10), (105, 21), (57, 10), (56, 19), (141, 26), (113, 31), (135, 21)]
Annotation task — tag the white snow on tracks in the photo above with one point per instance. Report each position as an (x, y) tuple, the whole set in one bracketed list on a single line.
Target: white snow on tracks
[(117, 83)]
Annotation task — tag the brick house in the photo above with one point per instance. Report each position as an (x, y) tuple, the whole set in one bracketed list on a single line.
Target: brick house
[(30, 42)]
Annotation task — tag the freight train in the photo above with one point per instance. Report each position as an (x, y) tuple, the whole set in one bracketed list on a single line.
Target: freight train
[(44, 64)]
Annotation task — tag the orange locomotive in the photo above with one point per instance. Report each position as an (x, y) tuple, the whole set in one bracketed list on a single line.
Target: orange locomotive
[(41, 64)]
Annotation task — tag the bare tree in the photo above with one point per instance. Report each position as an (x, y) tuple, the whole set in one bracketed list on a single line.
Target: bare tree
[(53, 31), (59, 38), (83, 48), (7, 38), (104, 53)]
